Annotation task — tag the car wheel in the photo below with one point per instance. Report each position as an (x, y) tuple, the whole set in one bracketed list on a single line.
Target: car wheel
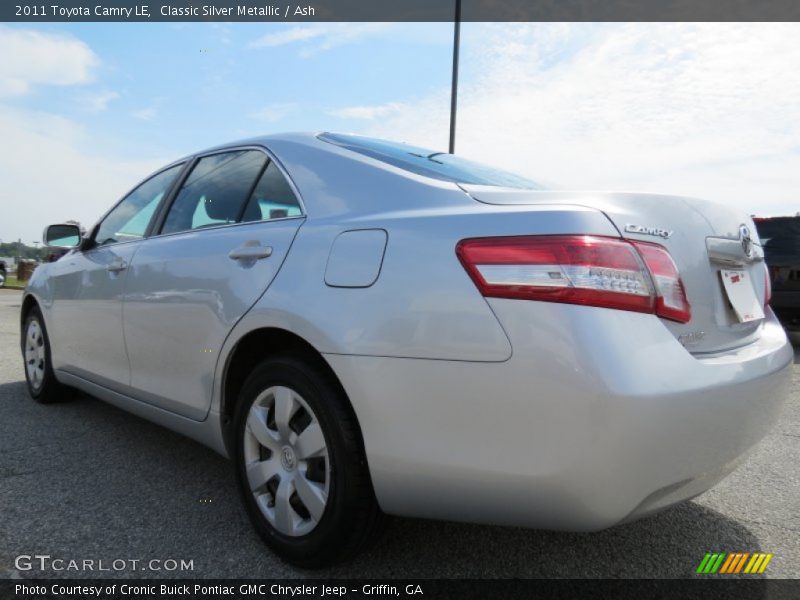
[(300, 465), (42, 383)]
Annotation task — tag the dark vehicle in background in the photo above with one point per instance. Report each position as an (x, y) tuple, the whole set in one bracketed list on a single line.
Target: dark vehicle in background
[(3, 273), (780, 238)]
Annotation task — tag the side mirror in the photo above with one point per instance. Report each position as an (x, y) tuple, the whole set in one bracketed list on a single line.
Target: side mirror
[(63, 235)]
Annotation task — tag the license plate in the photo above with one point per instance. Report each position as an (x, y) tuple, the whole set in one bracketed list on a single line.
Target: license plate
[(742, 295)]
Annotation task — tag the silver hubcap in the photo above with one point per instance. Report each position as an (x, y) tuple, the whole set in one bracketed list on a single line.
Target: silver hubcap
[(35, 354), (287, 461)]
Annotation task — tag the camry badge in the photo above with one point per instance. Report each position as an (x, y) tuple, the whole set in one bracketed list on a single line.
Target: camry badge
[(657, 231)]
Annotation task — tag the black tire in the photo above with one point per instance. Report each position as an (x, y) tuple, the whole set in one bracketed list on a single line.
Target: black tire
[(352, 518), (49, 390)]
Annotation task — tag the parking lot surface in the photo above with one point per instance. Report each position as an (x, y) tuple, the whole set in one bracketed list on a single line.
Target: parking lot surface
[(83, 480)]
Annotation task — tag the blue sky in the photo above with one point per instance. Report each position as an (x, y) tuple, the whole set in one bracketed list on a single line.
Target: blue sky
[(175, 88), (711, 110)]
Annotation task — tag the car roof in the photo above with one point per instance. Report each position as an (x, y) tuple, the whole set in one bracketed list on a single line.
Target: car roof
[(345, 172), (308, 138)]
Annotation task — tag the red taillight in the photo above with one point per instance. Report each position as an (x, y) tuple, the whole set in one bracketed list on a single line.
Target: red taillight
[(671, 302), (767, 286), (577, 269)]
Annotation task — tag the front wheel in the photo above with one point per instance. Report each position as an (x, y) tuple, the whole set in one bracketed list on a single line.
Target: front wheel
[(42, 383), (300, 466)]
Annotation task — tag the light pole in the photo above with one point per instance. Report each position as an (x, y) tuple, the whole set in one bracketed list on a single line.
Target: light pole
[(454, 87)]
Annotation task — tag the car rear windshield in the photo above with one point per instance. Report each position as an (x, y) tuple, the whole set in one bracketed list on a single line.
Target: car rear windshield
[(438, 165), (780, 236)]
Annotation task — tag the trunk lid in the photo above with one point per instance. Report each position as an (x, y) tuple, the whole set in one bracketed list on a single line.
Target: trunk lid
[(703, 238)]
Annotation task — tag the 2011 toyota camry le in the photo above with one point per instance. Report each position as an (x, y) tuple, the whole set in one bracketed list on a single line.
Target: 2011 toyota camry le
[(366, 327)]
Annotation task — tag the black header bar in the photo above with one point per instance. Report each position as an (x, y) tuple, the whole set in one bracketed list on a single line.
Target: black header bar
[(397, 10), (707, 588)]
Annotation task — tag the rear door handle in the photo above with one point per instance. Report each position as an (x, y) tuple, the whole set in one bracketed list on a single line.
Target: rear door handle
[(250, 250), (117, 266)]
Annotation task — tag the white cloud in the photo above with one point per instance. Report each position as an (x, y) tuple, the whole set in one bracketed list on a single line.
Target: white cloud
[(320, 37), (145, 114), (33, 58), (225, 32), (272, 113), (287, 36), (368, 113), (99, 101), (700, 109), (52, 170)]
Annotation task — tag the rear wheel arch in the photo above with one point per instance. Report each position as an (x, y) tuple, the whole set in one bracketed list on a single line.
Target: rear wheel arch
[(252, 349)]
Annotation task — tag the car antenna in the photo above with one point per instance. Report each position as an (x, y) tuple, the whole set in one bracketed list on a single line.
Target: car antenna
[(454, 89)]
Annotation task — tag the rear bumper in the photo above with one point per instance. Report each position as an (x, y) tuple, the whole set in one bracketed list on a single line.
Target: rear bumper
[(598, 417)]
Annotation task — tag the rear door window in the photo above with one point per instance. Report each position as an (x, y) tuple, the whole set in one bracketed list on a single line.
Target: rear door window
[(216, 190), (273, 198)]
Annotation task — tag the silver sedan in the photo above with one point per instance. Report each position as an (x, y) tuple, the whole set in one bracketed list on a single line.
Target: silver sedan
[(367, 327)]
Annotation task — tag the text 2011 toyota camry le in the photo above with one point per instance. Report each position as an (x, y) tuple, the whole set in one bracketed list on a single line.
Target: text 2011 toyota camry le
[(367, 327)]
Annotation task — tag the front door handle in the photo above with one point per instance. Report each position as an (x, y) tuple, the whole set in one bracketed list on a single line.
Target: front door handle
[(250, 250), (117, 266)]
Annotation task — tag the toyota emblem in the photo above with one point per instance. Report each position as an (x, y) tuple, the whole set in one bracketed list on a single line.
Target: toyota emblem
[(747, 241)]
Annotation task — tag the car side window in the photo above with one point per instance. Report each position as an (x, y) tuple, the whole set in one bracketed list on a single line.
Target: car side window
[(273, 198), (129, 219), (215, 191)]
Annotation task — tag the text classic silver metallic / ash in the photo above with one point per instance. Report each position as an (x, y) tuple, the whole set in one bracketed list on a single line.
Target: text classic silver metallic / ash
[(366, 327)]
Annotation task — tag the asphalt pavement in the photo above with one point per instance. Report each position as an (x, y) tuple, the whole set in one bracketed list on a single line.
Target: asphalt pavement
[(86, 481)]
